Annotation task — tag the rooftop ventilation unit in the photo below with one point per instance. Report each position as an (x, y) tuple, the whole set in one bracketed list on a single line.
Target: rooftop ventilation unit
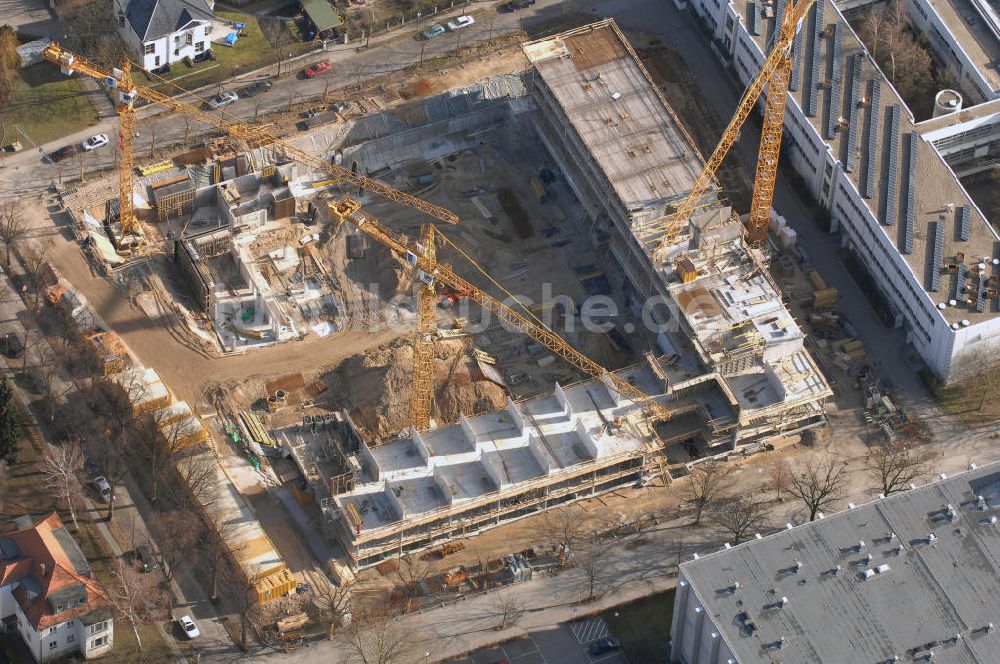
[(892, 177), (814, 62), (937, 256), (836, 83), (964, 217), (852, 119), (911, 194)]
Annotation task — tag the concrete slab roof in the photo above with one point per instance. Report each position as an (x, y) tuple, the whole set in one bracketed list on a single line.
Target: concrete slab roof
[(415, 474), (608, 96), (868, 583)]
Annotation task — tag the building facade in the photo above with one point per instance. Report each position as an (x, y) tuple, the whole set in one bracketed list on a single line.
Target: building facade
[(902, 578), (48, 593), (891, 194), (162, 32)]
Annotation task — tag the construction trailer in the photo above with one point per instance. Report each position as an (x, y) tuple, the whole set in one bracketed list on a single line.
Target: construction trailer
[(109, 350), (250, 549)]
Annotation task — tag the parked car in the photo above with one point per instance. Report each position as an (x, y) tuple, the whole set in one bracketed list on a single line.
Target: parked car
[(96, 141), (318, 69), (190, 629), (60, 154), (225, 99), (147, 563), (103, 488), (12, 346), (435, 30), (255, 89), (601, 646), (514, 5), (460, 22)]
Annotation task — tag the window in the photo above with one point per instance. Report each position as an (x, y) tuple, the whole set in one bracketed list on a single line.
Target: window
[(70, 638), (199, 47), (121, 19), (177, 39), (188, 38), (99, 641), (177, 51), (60, 608), (156, 63), (70, 623), (99, 627), (208, 29), (53, 644), (52, 630), (148, 49)]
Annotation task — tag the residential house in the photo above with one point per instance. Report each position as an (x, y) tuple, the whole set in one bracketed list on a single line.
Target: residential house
[(49, 595), (162, 32)]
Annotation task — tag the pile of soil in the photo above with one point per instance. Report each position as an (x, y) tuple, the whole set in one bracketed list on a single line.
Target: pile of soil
[(376, 386)]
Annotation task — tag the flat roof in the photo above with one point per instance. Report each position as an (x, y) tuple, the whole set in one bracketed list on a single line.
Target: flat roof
[(608, 96), (498, 451), (936, 185), (840, 607), (966, 24)]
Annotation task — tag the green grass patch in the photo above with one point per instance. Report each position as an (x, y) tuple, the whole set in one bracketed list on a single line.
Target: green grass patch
[(47, 104), (968, 400), (251, 51), (643, 627)]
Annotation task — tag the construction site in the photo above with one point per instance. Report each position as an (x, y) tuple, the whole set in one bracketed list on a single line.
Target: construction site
[(586, 314)]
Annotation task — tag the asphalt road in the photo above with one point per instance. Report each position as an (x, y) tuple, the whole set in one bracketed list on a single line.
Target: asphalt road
[(25, 172), (566, 643)]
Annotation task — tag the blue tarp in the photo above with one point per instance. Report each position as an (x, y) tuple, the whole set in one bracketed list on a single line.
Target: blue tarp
[(231, 38)]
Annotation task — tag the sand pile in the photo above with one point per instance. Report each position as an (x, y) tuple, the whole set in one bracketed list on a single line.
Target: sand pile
[(377, 384)]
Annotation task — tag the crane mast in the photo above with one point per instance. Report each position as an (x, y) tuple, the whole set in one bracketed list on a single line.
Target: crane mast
[(252, 135), (774, 75), (348, 209), (423, 341)]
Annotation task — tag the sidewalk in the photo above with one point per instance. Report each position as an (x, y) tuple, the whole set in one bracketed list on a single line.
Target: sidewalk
[(335, 53)]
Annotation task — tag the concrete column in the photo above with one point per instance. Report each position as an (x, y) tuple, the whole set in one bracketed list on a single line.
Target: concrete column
[(699, 619)]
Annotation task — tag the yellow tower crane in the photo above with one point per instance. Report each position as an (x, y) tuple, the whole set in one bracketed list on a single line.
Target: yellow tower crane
[(423, 257), (250, 134), (773, 75)]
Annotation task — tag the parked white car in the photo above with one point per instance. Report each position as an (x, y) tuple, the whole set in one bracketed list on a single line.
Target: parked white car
[(460, 22), (94, 142), (190, 629), (225, 99), (103, 488)]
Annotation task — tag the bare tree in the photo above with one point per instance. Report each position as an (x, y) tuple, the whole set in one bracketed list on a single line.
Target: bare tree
[(410, 575), (779, 477), (37, 274), (818, 483), (507, 607), (60, 467), (278, 36), (49, 381), (741, 517), (594, 560), (893, 469), (377, 636), (109, 456), (216, 545), (199, 475), (244, 598), (887, 33), (177, 539), (563, 526), (705, 484), (12, 228), (136, 597), (333, 603)]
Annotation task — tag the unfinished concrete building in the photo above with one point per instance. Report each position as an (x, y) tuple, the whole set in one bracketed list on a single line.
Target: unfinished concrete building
[(629, 160), (422, 489)]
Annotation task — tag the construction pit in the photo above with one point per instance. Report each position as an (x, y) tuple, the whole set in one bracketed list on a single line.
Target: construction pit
[(303, 327)]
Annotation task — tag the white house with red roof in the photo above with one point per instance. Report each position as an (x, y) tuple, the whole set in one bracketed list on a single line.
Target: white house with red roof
[(48, 592)]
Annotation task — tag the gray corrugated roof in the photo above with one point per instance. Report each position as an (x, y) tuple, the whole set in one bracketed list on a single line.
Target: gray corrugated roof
[(8, 549), (152, 19), (931, 591)]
